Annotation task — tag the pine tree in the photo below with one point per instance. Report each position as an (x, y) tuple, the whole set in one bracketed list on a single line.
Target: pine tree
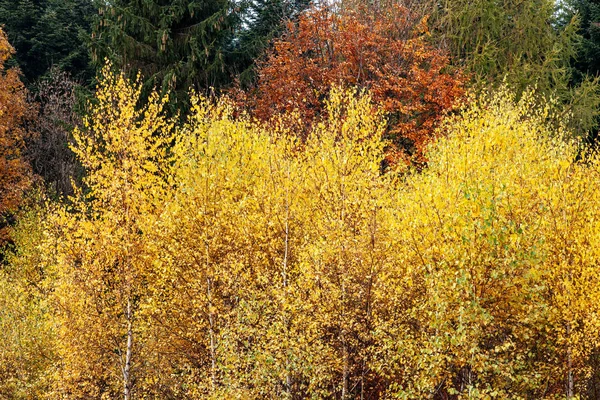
[(18, 18), (49, 33), (264, 21), (588, 60), (174, 44), (189, 43)]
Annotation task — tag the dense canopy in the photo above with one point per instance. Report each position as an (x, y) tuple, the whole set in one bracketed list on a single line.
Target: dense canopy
[(290, 199)]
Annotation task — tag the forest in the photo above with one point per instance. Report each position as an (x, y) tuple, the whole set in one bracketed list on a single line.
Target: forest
[(299, 199)]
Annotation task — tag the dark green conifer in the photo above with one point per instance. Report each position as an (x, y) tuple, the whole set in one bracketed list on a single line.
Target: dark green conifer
[(182, 44), (175, 44), (588, 59), (49, 33), (263, 20)]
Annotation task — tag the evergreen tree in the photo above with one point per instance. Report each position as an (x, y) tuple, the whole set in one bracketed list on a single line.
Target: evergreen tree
[(263, 20), (174, 44), (18, 18), (189, 43), (49, 33), (588, 59)]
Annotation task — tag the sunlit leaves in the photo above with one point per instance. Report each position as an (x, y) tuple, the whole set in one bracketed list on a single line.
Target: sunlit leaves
[(235, 259), (385, 51), (102, 251), (498, 236)]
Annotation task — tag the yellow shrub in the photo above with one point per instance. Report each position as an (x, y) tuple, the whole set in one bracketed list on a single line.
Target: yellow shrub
[(233, 261), (500, 238)]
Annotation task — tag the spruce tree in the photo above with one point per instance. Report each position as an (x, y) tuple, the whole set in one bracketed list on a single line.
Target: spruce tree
[(588, 59), (48, 33), (18, 18), (263, 20), (174, 44)]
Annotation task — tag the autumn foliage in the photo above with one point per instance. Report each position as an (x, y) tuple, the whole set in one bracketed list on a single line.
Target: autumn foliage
[(385, 52), (15, 172), (260, 247), (226, 258)]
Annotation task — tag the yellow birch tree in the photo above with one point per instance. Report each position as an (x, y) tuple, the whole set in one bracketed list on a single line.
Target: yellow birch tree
[(103, 252)]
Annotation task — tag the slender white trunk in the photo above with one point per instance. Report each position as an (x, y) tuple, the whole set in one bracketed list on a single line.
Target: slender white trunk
[(211, 324), (346, 372), (362, 381), (288, 376), (209, 291), (570, 383), (128, 353), (341, 271), (211, 330)]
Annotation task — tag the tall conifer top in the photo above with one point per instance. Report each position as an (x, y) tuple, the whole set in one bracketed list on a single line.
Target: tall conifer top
[(175, 44)]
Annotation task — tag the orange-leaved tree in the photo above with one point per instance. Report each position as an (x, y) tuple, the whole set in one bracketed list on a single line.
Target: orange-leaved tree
[(15, 172), (384, 52)]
